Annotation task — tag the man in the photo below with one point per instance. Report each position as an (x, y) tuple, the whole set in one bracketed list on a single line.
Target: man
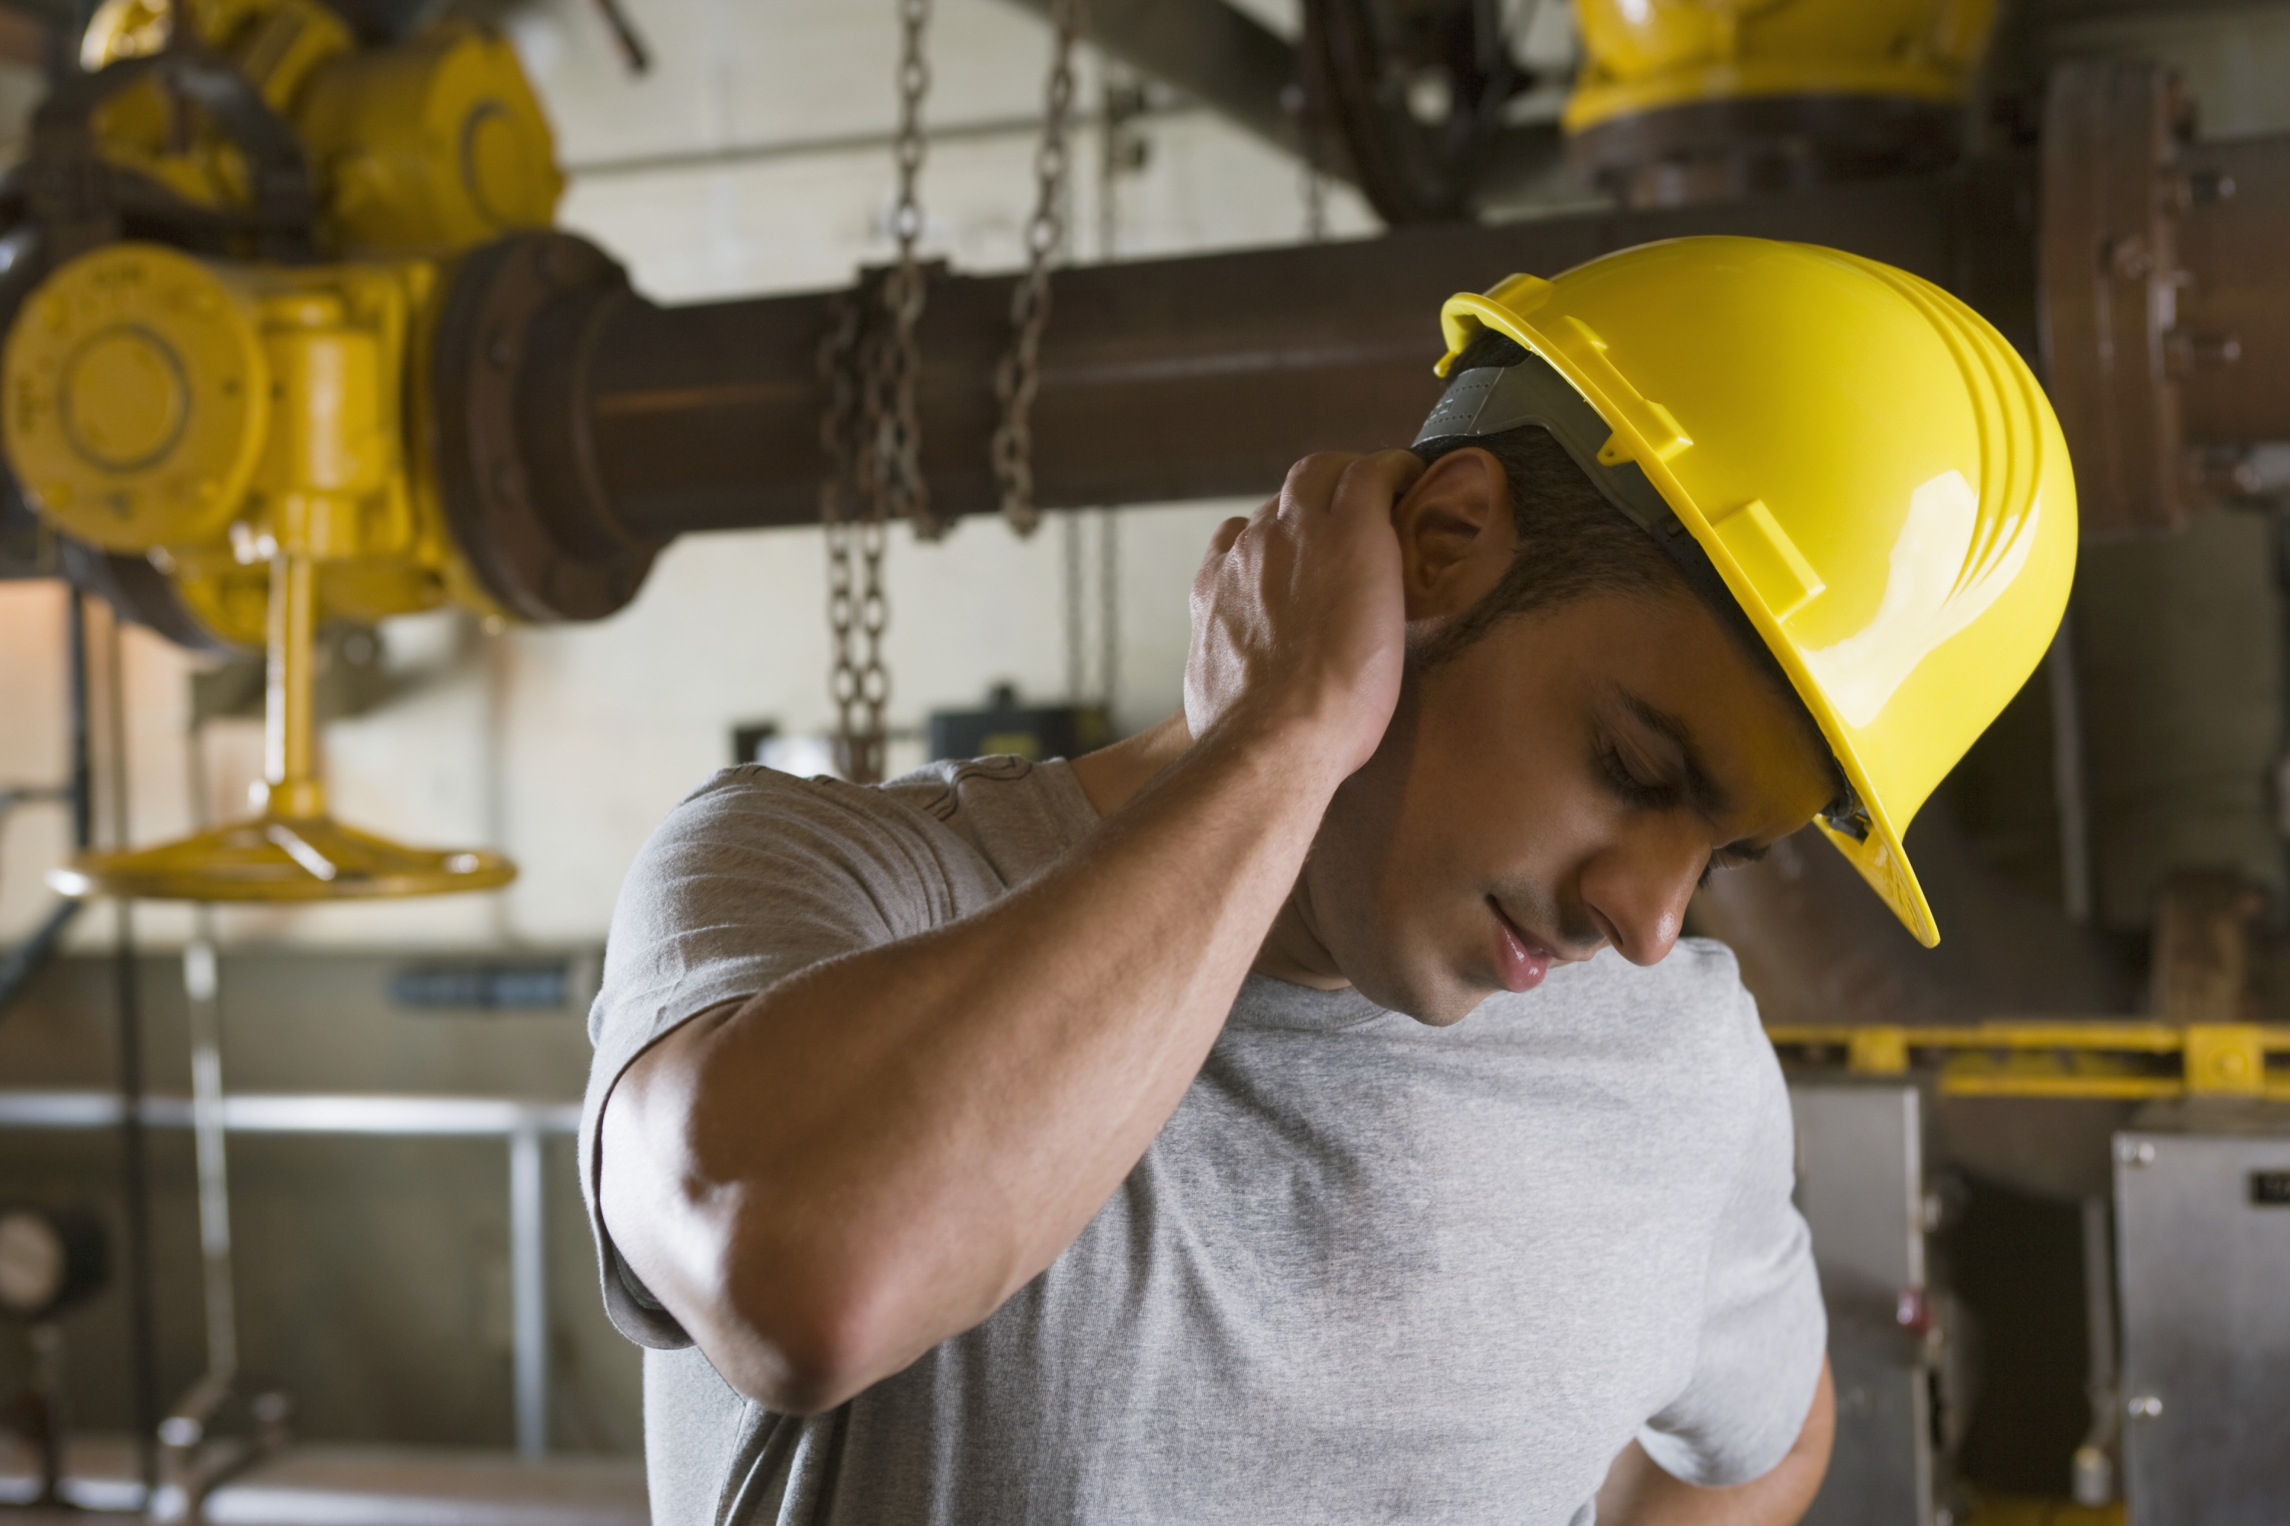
[(1106, 1142)]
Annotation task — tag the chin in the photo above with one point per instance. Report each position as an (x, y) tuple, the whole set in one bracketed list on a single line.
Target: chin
[(1433, 998)]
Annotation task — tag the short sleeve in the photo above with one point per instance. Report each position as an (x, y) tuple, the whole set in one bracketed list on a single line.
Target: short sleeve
[(1763, 1332), (751, 879)]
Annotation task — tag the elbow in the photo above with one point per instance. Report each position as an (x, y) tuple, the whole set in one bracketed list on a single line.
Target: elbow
[(802, 1329)]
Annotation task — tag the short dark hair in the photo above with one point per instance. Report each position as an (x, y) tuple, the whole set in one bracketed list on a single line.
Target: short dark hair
[(1574, 543)]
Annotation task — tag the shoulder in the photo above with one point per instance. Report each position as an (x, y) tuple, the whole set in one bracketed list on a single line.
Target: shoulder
[(752, 837), (1018, 814)]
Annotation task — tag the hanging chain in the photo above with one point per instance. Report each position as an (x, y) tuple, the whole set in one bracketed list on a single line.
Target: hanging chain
[(871, 436), (895, 370), (1122, 151), (1019, 378), (856, 611)]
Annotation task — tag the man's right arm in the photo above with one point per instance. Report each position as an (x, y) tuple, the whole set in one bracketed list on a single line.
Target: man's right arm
[(826, 1180)]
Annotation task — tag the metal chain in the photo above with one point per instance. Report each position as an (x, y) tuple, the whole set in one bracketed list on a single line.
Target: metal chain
[(1019, 378), (896, 370), (858, 682), (1123, 152), (871, 436)]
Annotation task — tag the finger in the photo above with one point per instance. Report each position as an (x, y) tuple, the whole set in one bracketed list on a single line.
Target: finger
[(1312, 481), (1220, 545), (1369, 484)]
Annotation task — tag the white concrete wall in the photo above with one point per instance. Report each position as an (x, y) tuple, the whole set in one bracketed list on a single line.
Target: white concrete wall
[(565, 745)]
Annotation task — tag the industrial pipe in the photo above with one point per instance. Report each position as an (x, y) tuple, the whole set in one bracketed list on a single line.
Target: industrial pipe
[(581, 427)]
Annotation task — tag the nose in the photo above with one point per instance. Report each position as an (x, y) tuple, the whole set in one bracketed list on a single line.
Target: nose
[(1639, 886)]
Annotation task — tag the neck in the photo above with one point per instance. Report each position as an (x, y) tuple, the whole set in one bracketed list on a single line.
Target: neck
[(1292, 950)]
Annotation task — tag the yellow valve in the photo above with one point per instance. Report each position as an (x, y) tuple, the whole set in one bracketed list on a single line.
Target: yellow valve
[(439, 144), (250, 428), (275, 44), (245, 425), (1643, 55), (431, 145), (162, 404)]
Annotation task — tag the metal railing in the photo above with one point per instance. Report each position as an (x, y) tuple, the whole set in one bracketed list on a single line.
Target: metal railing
[(2126, 1059), (523, 1124)]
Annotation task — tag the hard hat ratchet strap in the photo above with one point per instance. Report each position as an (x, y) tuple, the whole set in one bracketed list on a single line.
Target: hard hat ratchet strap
[(1493, 400)]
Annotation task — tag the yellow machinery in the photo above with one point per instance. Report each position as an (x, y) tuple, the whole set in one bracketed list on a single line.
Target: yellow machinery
[(251, 425), (1696, 100), (2095, 1059)]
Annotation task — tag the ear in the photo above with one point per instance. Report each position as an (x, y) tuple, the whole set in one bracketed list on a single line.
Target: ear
[(1456, 533)]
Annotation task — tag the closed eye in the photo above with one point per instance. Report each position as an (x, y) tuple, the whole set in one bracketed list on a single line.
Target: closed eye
[(1639, 794)]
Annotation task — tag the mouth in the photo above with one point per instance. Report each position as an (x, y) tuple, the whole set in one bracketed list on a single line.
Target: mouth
[(1521, 958)]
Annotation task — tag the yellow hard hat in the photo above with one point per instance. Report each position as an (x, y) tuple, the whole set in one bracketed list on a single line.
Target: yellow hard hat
[(1870, 469)]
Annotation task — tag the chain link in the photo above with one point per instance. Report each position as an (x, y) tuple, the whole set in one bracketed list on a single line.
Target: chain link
[(856, 612), (1019, 377), (871, 436), (895, 370)]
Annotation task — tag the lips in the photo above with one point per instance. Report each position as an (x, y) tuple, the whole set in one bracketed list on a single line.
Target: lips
[(1521, 959)]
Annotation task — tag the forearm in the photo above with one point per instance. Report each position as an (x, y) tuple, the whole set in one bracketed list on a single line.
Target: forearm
[(1639, 1493), (826, 1181)]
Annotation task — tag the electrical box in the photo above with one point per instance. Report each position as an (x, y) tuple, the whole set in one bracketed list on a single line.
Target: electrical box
[(2202, 1201), (1861, 1188)]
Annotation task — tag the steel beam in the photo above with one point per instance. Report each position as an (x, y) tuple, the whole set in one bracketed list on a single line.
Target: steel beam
[(1224, 58)]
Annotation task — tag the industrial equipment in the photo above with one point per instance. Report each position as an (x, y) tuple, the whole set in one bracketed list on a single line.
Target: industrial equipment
[(50, 1259), (1862, 1172), (1682, 101), (240, 236), (2202, 1195)]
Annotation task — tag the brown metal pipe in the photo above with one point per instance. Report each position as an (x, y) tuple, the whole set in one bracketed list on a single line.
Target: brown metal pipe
[(1181, 378)]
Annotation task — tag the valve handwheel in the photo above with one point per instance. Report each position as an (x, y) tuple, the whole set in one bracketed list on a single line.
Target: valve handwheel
[(293, 850)]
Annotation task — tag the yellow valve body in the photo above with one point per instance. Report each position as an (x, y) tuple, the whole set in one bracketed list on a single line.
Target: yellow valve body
[(439, 144), (204, 411), (276, 44), (1642, 55), (431, 145)]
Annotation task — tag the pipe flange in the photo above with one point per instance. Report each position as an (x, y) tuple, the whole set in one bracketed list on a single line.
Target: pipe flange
[(513, 342), (2110, 278)]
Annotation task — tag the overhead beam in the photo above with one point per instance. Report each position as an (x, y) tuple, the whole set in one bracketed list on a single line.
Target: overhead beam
[(1224, 58)]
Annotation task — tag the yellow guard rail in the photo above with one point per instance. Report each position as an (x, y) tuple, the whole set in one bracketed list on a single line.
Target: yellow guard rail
[(2095, 1058)]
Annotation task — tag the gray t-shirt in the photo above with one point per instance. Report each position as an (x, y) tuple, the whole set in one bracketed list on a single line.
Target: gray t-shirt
[(1369, 1270)]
